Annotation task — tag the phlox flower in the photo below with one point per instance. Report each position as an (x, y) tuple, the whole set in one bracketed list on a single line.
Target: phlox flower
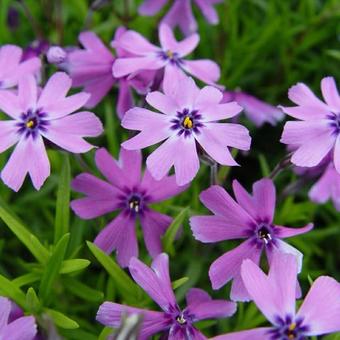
[(125, 190), (174, 322), (180, 13), (318, 131), (12, 68), (274, 295), (256, 110), (250, 217), (189, 117), (35, 115), (169, 56), (91, 68), (22, 328)]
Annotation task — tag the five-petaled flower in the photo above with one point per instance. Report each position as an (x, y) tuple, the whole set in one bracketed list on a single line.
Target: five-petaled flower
[(170, 57), (274, 295), (318, 132), (128, 192), (250, 218), (36, 115), (174, 322), (189, 115)]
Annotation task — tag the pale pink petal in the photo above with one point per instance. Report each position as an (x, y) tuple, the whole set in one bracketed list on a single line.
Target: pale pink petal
[(187, 45), (10, 104), (321, 307), (92, 43), (253, 334), (10, 56), (151, 7), (23, 328), (306, 112), (162, 103), (330, 93), (214, 112), (167, 38), (131, 165), (208, 95), (27, 93), (8, 134), (337, 154), (208, 10), (125, 99), (244, 199), (205, 70), (284, 232)]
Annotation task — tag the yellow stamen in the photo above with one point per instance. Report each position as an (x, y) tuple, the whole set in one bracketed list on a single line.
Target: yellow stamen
[(30, 124), (292, 326), (187, 123), (169, 54)]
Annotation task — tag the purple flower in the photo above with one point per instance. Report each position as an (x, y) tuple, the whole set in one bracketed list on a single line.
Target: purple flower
[(318, 131), (91, 68), (12, 68), (176, 323), (188, 115), (180, 14), (256, 110), (250, 218), (22, 328), (274, 295), (170, 57), (127, 192), (327, 187), (36, 115), (35, 49)]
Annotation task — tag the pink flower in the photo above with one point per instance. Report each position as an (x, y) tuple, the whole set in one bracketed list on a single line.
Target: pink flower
[(250, 217), (132, 195), (180, 13), (274, 295), (11, 67), (318, 131), (188, 116), (256, 110), (170, 57), (35, 116), (174, 322)]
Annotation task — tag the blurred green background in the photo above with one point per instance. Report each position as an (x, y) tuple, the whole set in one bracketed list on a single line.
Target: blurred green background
[(262, 47)]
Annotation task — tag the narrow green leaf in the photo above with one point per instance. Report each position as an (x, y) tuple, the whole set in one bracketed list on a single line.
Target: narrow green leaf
[(265, 170), (74, 265), (32, 301), (10, 290), (83, 291), (52, 268), (177, 283), (61, 319), (128, 289), (171, 232), (27, 238), (61, 225), (26, 279)]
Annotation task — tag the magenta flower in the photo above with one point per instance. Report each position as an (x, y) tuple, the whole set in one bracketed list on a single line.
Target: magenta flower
[(11, 67), (327, 187), (23, 328), (36, 115), (256, 110), (249, 218), (176, 323), (127, 192), (188, 115), (170, 57), (318, 131), (180, 13), (274, 295), (91, 68)]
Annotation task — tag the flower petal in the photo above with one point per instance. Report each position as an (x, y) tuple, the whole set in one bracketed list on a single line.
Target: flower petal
[(330, 92), (284, 232), (151, 7), (337, 154), (5, 310), (162, 103), (23, 328), (10, 104), (124, 66), (204, 69), (8, 134)]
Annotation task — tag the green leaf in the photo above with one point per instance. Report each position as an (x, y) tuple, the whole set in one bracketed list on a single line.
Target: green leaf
[(128, 289), (10, 290), (61, 319), (61, 225), (52, 268), (177, 283), (26, 237), (74, 265), (171, 232), (83, 291), (26, 279), (32, 301)]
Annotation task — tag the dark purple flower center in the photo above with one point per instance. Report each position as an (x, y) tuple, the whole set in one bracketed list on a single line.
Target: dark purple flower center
[(135, 203), (172, 57), (289, 329), (263, 234), (187, 122), (334, 122), (32, 122)]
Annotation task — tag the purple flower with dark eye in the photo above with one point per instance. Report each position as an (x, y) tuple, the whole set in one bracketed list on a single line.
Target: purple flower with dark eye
[(250, 218), (256, 110), (12, 68), (318, 132), (127, 192), (170, 57), (174, 322), (36, 115), (180, 14), (274, 295), (22, 328), (189, 117)]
